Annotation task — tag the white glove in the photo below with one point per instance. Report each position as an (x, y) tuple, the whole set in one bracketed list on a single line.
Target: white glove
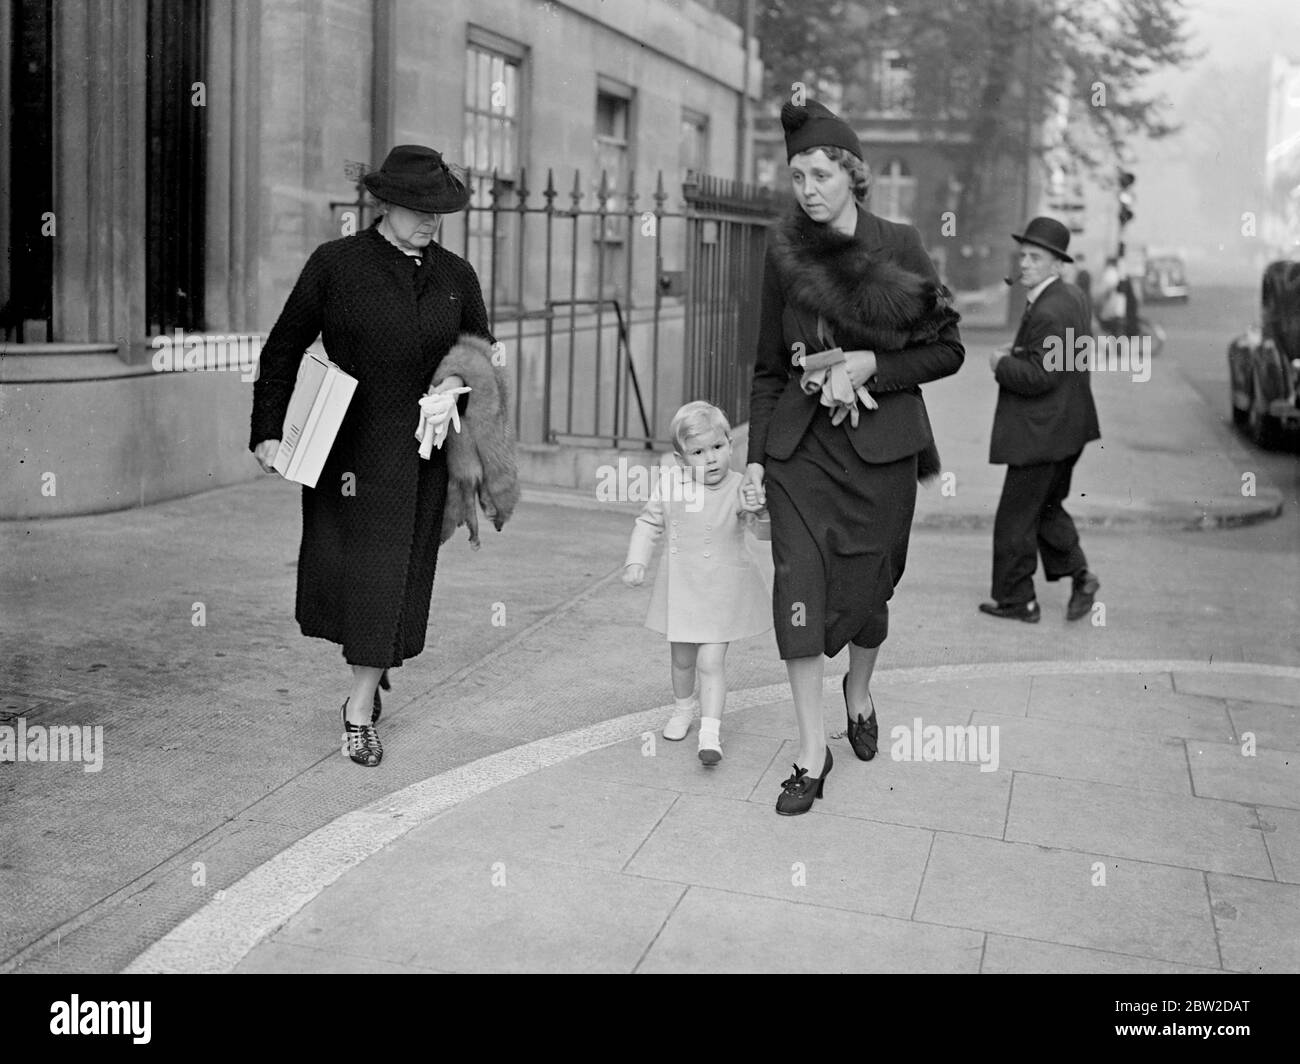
[(438, 410)]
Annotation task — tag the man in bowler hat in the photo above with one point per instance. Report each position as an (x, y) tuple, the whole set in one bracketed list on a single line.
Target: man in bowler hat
[(1045, 415)]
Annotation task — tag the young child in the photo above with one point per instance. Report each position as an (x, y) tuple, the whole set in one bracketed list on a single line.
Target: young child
[(709, 590)]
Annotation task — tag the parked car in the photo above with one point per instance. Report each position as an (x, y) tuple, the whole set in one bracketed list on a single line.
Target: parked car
[(1165, 280), (1264, 362)]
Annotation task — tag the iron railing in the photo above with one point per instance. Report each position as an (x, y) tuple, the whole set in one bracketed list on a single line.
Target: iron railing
[(619, 310)]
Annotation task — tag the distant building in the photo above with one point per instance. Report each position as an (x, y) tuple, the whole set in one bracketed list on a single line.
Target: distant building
[(1282, 161), (915, 163), (172, 163)]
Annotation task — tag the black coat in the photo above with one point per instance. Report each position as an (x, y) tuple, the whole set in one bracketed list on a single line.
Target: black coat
[(1045, 414), (370, 528), (877, 291)]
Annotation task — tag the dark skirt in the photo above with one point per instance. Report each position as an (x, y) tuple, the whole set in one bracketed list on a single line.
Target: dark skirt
[(840, 529)]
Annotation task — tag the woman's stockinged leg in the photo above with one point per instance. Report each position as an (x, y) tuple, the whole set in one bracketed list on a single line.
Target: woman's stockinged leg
[(683, 658), (711, 664), (365, 678), (806, 676), (862, 663)]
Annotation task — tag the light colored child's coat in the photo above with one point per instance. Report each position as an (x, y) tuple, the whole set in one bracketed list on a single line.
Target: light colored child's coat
[(708, 588)]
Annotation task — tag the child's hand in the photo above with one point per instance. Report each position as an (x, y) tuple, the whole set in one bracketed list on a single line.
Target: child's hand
[(751, 500), (634, 575)]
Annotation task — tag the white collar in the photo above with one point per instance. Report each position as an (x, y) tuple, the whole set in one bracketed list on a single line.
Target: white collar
[(1037, 290), (411, 254)]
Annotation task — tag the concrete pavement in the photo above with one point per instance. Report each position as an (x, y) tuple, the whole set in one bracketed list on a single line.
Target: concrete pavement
[(518, 738)]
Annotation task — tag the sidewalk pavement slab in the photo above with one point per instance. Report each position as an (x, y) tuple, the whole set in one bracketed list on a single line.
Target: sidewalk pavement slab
[(1268, 777), (1099, 755), (632, 856), (1258, 923), (721, 931), (1138, 825), (1046, 893)]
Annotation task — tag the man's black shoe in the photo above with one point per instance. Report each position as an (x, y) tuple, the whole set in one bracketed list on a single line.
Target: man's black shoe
[(1014, 611), (1085, 587)]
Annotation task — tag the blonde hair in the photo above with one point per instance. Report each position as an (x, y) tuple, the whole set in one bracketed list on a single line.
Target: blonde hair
[(695, 419)]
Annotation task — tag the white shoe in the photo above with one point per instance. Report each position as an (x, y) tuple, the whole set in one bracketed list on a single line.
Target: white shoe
[(679, 724), (710, 749)]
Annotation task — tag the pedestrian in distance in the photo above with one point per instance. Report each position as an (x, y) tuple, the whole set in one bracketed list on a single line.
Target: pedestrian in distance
[(405, 317), (708, 591), (851, 306), (1044, 417)]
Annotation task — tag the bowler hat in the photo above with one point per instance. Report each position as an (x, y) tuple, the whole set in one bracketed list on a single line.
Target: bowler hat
[(415, 177), (1046, 233), (816, 126)]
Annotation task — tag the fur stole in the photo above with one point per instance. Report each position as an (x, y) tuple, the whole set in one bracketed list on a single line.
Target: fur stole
[(867, 301), (481, 457)]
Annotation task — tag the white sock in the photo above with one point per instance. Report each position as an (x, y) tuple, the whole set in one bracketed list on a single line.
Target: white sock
[(709, 726), (686, 705)]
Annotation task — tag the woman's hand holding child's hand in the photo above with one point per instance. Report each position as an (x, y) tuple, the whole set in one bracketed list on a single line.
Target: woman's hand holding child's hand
[(634, 575)]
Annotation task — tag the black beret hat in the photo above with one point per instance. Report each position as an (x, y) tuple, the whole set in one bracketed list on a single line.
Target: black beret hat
[(815, 126)]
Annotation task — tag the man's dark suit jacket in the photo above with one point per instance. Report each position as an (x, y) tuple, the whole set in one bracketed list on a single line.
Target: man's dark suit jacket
[(1045, 414), (780, 412)]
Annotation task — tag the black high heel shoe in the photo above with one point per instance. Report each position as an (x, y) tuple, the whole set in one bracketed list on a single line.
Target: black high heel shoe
[(864, 733), (361, 742), (800, 790)]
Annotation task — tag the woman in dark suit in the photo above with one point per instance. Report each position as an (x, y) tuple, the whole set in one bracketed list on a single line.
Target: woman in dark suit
[(841, 489), (405, 317)]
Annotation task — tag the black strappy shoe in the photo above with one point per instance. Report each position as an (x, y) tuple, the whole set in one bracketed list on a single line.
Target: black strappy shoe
[(800, 790), (864, 733), (361, 742)]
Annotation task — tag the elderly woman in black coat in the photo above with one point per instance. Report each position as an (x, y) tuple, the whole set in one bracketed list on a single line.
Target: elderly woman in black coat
[(406, 318), (837, 466)]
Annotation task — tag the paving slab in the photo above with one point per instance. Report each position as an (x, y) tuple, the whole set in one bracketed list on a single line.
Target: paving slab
[(1258, 923), (288, 958), (655, 762), (1081, 752), (32, 903), (1273, 725), (998, 694), (1281, 831), (1140, 825), (1246, 688), (1143, 703), (924, 794), (1005, 954), (836, 861), (555, 816), (724, 932), (1044, 893), (446, 907), (1269, 777)]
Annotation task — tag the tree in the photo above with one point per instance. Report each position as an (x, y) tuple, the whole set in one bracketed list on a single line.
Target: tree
[(807, 41), (1011, 68)]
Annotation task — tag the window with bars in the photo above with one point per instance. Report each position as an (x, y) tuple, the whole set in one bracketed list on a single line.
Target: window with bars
[(693, 145), (493, 76), (613, 153)]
